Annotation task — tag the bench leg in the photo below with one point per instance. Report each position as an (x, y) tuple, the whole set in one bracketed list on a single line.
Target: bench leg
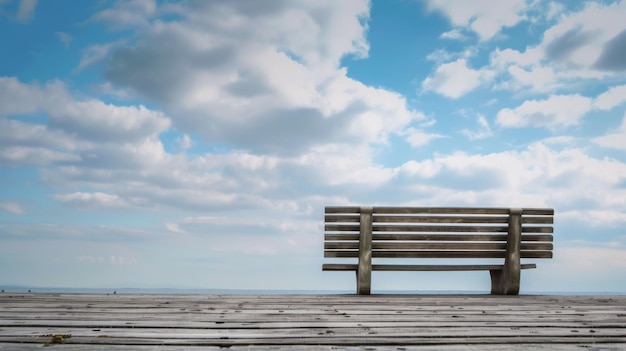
[(506, 280), (503, 283), (363, 283)]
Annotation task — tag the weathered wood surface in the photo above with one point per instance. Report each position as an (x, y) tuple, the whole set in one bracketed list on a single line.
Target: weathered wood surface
[(374, 235), (301, 322)]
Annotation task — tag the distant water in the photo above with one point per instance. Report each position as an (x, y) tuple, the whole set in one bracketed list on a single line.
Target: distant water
[(26, 289)]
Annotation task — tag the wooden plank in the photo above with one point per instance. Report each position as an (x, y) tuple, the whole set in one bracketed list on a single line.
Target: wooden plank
[(339, 267), (435, 254), (440, 228), (437, 219), (438, 237), (342, 209), (435, 228), (434, 268), (302, 322), (530, 229), (543, 238), (342, 227), (487, 347), (537, 220), (536, 254), (440, 210), (386, 245), (442, 268), (342, 218), (368, 342), (538, 211)]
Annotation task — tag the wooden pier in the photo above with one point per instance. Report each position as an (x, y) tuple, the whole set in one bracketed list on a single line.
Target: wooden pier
[(311, 322)]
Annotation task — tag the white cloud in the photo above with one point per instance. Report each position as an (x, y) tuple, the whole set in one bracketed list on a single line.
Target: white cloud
[(12, 207), (24, 155), (123, 260), (455, 79), (75, 129), (614, 140), (455, 34), (174, 228), (537, 78), (417, 137), (264, 236), (18, 133), (18, 98), (107, 88), (579, 39), (603, 217), (484, 131), (537, 176), (112, 260), (611, 98), (91, 200), (441, 56), (97, 121), (184, 142), (64, 38), (486, 18), (96, 53), (555, 111), (275, 66), (554, 9), (26, 10), (581, 45), (128, 13), (558, 140)]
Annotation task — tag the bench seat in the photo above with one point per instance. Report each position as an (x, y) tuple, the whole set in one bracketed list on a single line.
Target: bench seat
[(421, 267)]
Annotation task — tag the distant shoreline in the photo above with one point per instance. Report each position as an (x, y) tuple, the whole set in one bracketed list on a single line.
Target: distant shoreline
[(182, 291)]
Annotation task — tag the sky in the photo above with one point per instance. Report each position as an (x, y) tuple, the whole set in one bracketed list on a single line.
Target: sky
[(194, 144)]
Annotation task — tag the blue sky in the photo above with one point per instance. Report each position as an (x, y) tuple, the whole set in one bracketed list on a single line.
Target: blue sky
[(194, 144)]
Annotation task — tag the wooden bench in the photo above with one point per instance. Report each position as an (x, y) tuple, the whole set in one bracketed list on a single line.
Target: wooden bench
[(402, 234)]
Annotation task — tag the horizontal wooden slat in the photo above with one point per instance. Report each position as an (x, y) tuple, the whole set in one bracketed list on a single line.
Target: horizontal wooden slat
[(387, 245), (435, 228), (539, 237), (342, 218), (342, 236), (440, 268), (436, 254), (438, 237), (538, 211), (440, 210), (529, 229), (436, 219), (536, 254), (440, 219), (342, 227), (537, 220), (416, 246), (403, 267), (342, 209), (441, 228), (339, 267)]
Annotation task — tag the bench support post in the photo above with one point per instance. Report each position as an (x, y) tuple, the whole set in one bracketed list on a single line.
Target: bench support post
[(507, 280), (364, 271)]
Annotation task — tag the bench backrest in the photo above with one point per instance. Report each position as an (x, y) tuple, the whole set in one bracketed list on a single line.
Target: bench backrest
[(436, 232)]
